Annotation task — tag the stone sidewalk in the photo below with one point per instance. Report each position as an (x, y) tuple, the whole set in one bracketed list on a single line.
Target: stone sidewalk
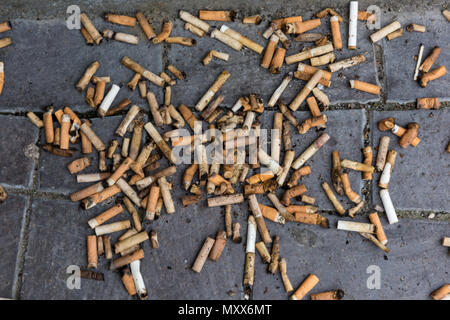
[(42, 232)]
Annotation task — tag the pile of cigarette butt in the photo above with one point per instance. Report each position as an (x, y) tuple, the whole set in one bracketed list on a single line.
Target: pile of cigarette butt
[(135, 171)]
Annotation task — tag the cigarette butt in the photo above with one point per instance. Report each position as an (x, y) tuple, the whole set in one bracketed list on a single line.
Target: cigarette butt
[(4, 42), (358, 166), (351, 195), (203, 255), (354, 210), (308, 199), (48, 126), (64, 132), (193, 29), (328, 11), (301, 96), (236, 233), (201, 104), (356, 226), (79, 164), (252, 19), (93, 32), (387, 170), (105, 216), (383, 32), (446, 14), (277, 60), (127, 259), (275, 255), (127, 62), (92, 252), (347, 63), (153, 197), (112, 227), (310, 53), (131, 241), (375, 241), (99, 196), (35, 119), (428, 103), (399, 132), (301, 27), (5, 26), (310, 151), (261, 224), (244, 40), (383, 147), (328, 295), (180, 75), (395, 34), (388, 206), (430, 60), (120, 19), (330, 194), (219, 246), (249, 268), (291, 193), (446, 241), (92, 136), (86, 78), (86, 192), (366, 16), (284, 277), (216, 15), (302, 75), (154, 239), (307, 285), (107, 247), (226, 39), (364, 86), (381, 236), (336, 32), (415, 28), (145, 25), (128, 282), (433, 75), (263, 252), (271, 214), (410, 135), (441, 292), (166, 196), (185, 41), (270, 49), (191, 199), (165, 32)]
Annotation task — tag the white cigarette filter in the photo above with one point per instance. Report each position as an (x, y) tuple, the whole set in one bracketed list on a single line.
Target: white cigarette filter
[(352, 25), (138, 280), (108, 100), (388, 206)]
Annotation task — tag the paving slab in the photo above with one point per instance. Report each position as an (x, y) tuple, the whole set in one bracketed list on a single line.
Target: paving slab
[(16, 170), (12, 213), (413, 268), (43, 69), (399, 55), (345, 129), (51, 166), (419, 180)]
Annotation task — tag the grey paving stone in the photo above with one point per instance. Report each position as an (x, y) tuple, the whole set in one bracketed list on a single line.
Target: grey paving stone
[(400, 68), (345, 129), (11, 219), (16, 169), (51, 166), (419, 180), (43, 69), (414, 267)]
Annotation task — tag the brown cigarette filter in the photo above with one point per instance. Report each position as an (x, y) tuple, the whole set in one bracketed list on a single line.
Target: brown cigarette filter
[(203, 255), (364, 86), (128, 281), (296, 175), (219, 245), (428, 103), (165, 33), (277, 60), (216, 15), (441, 292), (263, 252), (79, 164), (301, 27), (236, 233), (307, 285), (145, 25), (415, 27), (410, 135), (291, 193), (120, 19), (395, 34), (433, 75), (429, 61), (351, 195), (328, 295), (127, 259), (92, 252)]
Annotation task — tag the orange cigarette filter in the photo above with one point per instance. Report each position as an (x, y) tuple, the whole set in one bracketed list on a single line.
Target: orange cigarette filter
[(336, 32), (64, 132), (5, 26), (277, 60), (365, 86), (99, 92), (328, 295), (280, 23), (128, 282), (351, 195), (428, 103), (301, 27), (92, 252), (48, 126), (145, 25), (381, 236), (101, 196), (270, 49), (313, 106), (216, 15), (124, 166), (368, 158), (260, 177), (217, 180), (432, 75), (120, 19), (86, 145), (152, 201), (312, 70), (269, 213), (165, 33), (441, 292), (291, 193), (307, 285), (79, 164), (73, 117), (429, 61), (400, 131), (86, 192)]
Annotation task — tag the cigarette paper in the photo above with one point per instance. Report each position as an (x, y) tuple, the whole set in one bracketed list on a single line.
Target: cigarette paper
[(419, 59), (224, 38), (108, 100), (138, 280), (388, 206), (249, 269), (92, 252), (352, 25), (330, 194), (308, 37), (307, 285), (440, 293), (328, 295), (203, 255), (201, 104), (127, 62), (93, 32), (383, 32), (310, 151), (279, 91), (310, 53), (92, 177), (244, 40), (275, 255), (301, 96), (268, 33), (145, 25), (112, 227), (356, 226)]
